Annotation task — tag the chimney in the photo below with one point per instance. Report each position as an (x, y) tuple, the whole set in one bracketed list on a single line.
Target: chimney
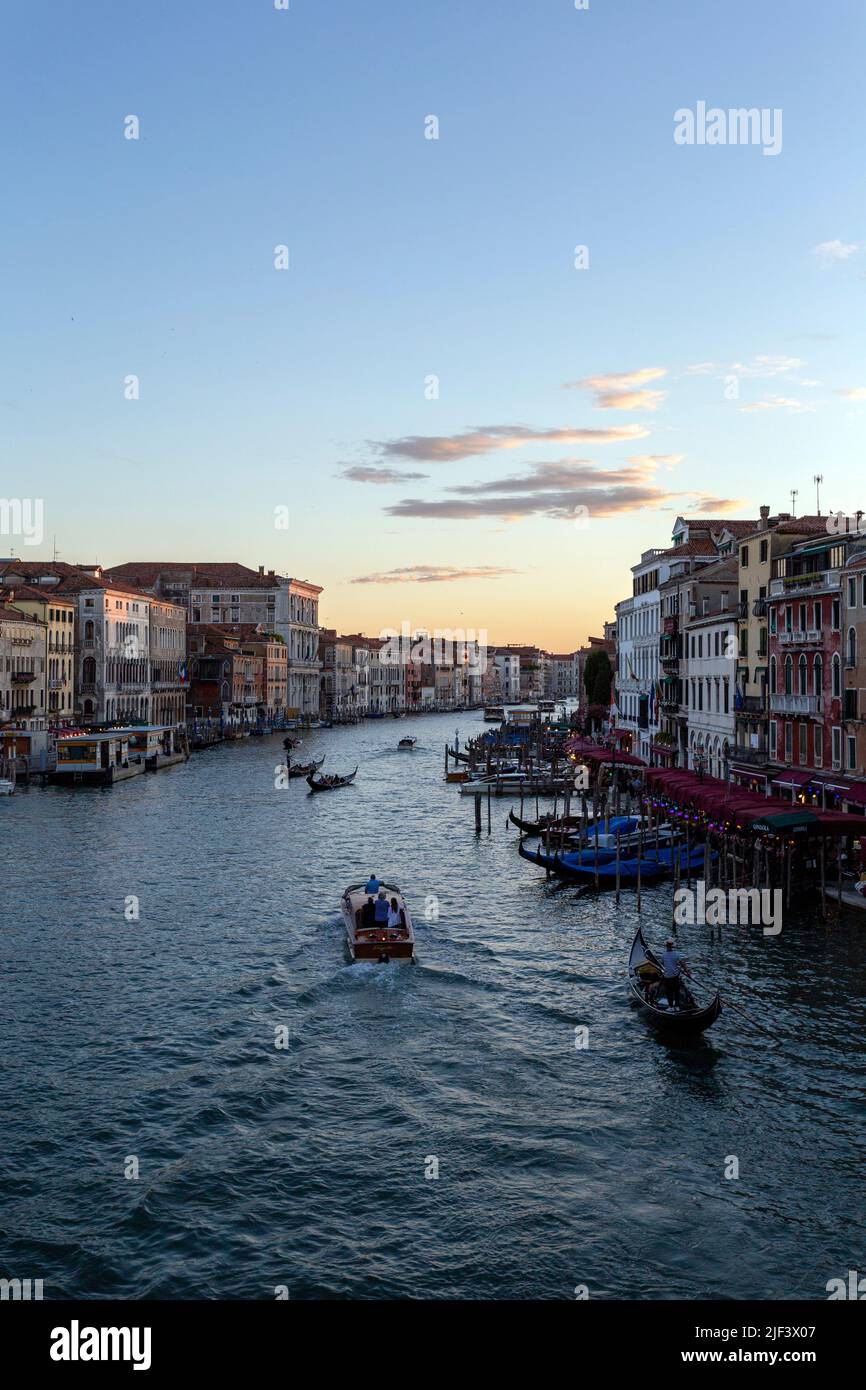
[(765, 516), (261, 569)]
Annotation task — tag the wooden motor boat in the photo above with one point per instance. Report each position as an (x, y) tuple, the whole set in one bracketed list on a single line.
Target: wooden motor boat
[(379, 942), (305, 769), (457, 776), (407, 743), (645, 973), (329, 784)]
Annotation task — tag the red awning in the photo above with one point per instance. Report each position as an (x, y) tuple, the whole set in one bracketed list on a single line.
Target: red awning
[(793, 779)]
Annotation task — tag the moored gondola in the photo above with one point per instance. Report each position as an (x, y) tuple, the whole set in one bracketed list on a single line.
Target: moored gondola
[(644, 978), (329, 784)]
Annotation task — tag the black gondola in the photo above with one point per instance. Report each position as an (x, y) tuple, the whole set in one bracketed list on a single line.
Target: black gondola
[(538, 827), (644, 968), (305, 769), (329, 784)]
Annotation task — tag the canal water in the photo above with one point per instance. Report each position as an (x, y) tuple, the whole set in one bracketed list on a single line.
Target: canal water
[(148, 1046)]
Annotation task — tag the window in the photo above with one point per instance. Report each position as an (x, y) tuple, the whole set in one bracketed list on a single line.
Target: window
[(802, 617), (773, 738), (764, 552), (837, 747), (744, 557), (818, 756), (851, 648), (852, 752), (789, 742), (727, 696), (837, 677), (789, 619), (804, 675), (837, 614), (772, 675), (852, 592), (817, 619), (789, 676), (773, 620), (804, 743)]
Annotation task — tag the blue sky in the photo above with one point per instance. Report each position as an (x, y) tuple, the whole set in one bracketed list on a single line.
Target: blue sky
[(412, 257)]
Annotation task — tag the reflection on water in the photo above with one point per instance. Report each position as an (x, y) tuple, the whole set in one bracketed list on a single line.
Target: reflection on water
[(305, 1165)]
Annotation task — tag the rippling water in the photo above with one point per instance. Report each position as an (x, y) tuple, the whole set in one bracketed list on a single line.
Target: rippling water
[(305, 1167)]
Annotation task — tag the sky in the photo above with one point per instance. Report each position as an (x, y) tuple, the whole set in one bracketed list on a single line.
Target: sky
[(441, 411)]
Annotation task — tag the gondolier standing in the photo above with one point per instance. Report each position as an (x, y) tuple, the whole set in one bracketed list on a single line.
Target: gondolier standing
[(673, 965)]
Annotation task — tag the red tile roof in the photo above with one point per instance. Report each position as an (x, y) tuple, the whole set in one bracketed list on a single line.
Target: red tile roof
[(217, 574)]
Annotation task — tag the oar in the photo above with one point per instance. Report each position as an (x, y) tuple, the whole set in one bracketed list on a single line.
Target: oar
[(728, 1005)]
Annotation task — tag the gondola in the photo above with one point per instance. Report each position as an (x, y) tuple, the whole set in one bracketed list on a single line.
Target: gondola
[(578, 869), (305, 769), (644, 968), (329, 784), (538, 827)]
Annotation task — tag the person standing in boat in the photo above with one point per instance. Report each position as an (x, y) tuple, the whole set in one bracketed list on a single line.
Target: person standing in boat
[(673, 965), (372, 885)]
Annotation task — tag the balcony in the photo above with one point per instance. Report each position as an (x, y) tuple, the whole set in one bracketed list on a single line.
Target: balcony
[(55, 683), (820, 581), (795, 704), (753, 757), (753, 705), (759, 608), (23, 677), (800, 637)]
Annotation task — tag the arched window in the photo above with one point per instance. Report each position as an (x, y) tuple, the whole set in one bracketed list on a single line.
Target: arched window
[(818, 676), (804, 675), (88, 630), (772, 675), (852, 648), (88, 670), (837, 677), (789, 676)]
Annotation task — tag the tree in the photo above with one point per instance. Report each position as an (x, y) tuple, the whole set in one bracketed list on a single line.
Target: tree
[(597, 678)]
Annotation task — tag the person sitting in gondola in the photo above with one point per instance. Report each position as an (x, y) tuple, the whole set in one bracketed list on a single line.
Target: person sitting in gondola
[(673, 965), (381, 909)]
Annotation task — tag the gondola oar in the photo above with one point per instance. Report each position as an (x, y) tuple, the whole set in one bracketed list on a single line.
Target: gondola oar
[(728, 1005)]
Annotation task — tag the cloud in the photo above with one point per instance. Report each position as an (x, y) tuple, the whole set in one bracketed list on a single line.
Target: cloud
[(564, 504), (706, 505), (564, 473), (486, 439), (364, 473), (831, 252), (623, 390), (777, 403), (656, 460), (432, 574), (701, 369), (853, 393), (766, 366)]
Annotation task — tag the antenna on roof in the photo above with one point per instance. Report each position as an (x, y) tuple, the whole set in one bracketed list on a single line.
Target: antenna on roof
[(794, 495), (818, 480)]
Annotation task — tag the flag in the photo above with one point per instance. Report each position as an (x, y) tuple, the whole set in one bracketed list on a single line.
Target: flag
[(738, 697)]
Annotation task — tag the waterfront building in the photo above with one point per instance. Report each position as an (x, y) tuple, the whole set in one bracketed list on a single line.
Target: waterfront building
[(266, 667), (23, 716), (168, 664), (854, 665), (638, 624), (506, 662), (216, 593), (58, 616), (709, 666), (563, 675), (806, 669)]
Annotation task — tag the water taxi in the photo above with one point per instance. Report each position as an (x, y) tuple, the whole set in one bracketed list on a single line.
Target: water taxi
[(494, 714), (380, 942)]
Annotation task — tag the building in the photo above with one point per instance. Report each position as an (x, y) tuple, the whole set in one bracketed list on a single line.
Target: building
[(169, 681), (638, 623), (218, 593), (58, 617), (506, 662), (806, 668), (854, 668), (23, 715), (709, 667)]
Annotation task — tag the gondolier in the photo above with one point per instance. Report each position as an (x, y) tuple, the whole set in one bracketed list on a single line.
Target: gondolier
[(673, 965)]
